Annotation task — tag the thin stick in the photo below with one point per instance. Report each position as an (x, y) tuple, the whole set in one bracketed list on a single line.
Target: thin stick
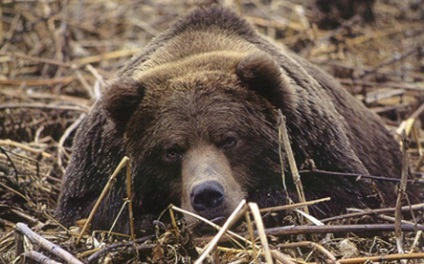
[(401, 194), (221, 232), (108, 185), (117, 217), (415, 135), (251, 235), (292, 163), (408, 123), (47, 245), (293, 206), (8, 142), (382, 258), (174, 223), (36, 59), (38, 82), (39, 257), (283, 258), (414, 245), (353, 175), (312, 245), (217, 227), (309, 229), (78, 108), (281, 157), (261, 231), (294, 230), (361, 212), (106, 56), (130, 200), (65, 135)]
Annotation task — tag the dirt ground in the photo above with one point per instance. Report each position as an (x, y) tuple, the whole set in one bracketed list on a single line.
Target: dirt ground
[(56, 55)]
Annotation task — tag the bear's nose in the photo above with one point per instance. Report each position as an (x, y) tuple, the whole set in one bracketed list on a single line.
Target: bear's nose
[(207, 195)]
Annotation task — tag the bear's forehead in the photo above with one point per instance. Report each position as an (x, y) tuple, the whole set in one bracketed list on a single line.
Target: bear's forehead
[(203, 104), (195, 90), (206, 112)]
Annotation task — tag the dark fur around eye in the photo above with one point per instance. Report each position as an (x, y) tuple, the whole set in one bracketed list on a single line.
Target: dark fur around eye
[(173, 153), (228, 141)]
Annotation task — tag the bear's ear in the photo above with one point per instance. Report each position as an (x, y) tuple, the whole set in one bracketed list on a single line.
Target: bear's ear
[(121, 99), (263, 75)]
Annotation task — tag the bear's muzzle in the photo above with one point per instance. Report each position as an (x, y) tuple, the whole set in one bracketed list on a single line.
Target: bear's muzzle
[(209, 187)]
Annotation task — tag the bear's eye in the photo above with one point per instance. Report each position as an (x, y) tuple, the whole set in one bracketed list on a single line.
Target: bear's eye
[(173, 153), (228, 141)]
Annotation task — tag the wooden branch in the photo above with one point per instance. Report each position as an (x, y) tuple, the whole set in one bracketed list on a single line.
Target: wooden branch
[(108, 185), (294, 230), (379, 259), (362, 212), (230, 221), (312, 245), (45, 244), (292, 163), (348, 174), (39, 257)]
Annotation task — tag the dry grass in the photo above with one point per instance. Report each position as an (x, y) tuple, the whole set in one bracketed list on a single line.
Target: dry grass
[(55, 56)]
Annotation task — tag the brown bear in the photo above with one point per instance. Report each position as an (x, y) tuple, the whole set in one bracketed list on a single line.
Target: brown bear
[(196, 113)]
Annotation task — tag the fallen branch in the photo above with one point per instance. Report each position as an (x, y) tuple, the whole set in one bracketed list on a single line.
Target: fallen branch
[(314, 172), (47, 245), (362, 212), (39, 257), (312, 245), (124, 162), (382, 258), (294, 230)]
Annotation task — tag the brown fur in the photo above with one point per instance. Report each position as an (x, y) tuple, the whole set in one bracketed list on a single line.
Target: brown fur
[(196, 114)]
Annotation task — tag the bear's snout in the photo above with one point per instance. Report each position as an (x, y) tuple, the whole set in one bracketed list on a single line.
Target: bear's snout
[(209, 186), (207, 196)]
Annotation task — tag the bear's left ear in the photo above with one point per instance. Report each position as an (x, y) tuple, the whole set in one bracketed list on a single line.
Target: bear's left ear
[(260, 73), (121, 99)]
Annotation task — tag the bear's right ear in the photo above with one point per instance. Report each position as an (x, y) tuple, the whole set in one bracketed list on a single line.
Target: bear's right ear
[(121, 99)]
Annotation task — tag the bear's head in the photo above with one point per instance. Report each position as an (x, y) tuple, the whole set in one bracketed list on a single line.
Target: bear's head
[(201, 132)]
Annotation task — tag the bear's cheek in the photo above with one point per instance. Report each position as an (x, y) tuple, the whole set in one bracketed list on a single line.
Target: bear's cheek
[(209, 187)]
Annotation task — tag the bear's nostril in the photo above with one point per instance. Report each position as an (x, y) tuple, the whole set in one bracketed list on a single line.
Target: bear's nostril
[(207, 195)]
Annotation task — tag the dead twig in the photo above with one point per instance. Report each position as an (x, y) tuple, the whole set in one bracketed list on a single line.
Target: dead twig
[(408, 123), (292, 162), (124, 162), (116, 246), (44, 106), (230, 221), (348, 174), (65, 136), (330, 257), (8, 142), (401, 193), (391, 219), (294, 230), (283, 258), (293, 206), (362, 212), (47, 245), (391, 257), (39, 257), (261, 231), (106, 56), (129, 199), (38, 82), (230, 233)]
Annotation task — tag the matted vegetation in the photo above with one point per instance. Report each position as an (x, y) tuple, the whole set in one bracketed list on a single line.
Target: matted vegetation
[(55, 57)]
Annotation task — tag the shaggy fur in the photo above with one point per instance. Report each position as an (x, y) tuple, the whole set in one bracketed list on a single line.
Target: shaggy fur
[(196, 114)]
